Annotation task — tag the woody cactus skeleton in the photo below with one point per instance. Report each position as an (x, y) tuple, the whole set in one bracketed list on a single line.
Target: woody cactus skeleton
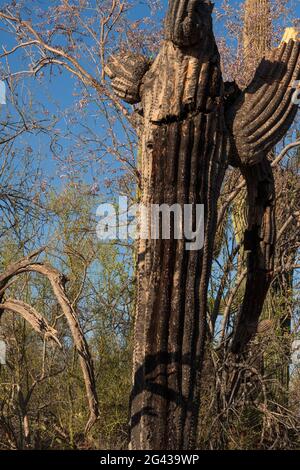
[(191, 131)]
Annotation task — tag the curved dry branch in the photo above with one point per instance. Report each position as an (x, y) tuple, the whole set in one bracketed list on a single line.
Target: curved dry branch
[(187, 21), (33, 317), (126, 72), (57, 281), (259, 247)]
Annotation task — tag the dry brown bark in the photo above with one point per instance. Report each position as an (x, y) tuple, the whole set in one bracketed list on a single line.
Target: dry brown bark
[(258, 120), (190, 132), (34, 318)]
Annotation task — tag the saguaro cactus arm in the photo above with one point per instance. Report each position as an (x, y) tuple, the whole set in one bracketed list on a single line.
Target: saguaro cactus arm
[(265, 110), (258, 120), (58, 281), (259, 249), (186, 25)]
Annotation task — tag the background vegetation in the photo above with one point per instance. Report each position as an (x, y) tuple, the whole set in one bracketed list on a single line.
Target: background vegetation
[(66, 145)]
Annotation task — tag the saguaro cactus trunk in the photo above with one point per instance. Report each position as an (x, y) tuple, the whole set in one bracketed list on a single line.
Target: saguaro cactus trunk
[(258, 30), (187, 138), (184, 158)]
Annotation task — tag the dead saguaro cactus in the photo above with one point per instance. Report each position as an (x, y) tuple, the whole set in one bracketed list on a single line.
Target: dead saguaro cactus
[(126, 71), (190, 132), (257, 121), (257, 32)]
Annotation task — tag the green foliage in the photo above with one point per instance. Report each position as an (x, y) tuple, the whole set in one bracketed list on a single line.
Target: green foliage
[(101, 288)]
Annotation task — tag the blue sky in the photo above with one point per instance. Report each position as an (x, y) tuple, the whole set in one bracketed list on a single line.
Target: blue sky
[(58, 92)]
